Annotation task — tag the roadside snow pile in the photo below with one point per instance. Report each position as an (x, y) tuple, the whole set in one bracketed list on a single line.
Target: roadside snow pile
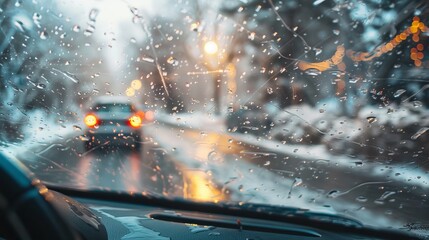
[(196, 120), (42, 130), (398, 134), (302, 124)]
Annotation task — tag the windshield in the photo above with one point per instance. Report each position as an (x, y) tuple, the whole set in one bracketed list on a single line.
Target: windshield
[(316, 104)]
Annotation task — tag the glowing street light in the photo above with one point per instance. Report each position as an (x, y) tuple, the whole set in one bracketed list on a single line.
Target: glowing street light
[(136, 84), (130, 92), (210, 47)]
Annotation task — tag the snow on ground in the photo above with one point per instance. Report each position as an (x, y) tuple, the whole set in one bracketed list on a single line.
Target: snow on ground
[(316, 153), (43, 132), (249, 183)]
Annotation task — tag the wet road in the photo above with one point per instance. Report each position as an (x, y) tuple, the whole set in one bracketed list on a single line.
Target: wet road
[(217, 167)]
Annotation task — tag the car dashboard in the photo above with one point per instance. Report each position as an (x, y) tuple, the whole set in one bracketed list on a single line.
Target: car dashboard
[(133, 217)]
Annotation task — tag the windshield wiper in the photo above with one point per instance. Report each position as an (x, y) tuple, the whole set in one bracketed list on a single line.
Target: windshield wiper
[(293, 212)]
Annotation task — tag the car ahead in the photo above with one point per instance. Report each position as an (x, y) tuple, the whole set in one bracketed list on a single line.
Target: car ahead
[(113, 121)]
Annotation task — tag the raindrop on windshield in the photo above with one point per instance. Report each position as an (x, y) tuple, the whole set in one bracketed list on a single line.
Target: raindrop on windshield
[(36, 18), (419, 133), (333, 194), (317, 51), (371, 119), (84, 138), (361, 199), (417, 104), (43, 35), (270, 91), (399, 93), (317, 2), (93, 14), (172, 61), (148, 59), (41, 86), (77, 128), (76, 28), (313, 72), (297, 182)]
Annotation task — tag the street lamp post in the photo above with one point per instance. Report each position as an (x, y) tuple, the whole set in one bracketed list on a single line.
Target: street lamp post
[(211, 48)]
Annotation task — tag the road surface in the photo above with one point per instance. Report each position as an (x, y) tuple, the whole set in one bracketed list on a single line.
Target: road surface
[(208, 166)]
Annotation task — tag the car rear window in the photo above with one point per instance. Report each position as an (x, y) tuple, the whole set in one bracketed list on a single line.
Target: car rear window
[(113, 108)]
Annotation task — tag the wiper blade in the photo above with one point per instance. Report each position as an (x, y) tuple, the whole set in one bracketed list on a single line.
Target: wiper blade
[(293, 212)]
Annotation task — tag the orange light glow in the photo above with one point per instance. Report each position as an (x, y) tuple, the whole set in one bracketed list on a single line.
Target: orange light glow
[(150, 116), (90, 120), (414, 30), (336, 59), (135, 121)]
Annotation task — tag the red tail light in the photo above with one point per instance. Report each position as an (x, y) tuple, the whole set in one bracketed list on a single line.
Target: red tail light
[(90, 120), (135, 121)]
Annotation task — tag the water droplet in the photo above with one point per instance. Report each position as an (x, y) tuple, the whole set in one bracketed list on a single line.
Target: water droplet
[(194, 26), (386, 195), (198, 229), (88, 32), (317, 2), (297, 182), (148, 59), (36, 18), (214, 234), (270, 90), (44, 35), (417, 104), (240, 188), (172, 61), (267, 163), (313, 72), (93, 14), (133, 40), (336, 32), (41, 86), (317, 51), (371, 119), (333, 194), (399, 92), (76, 28), (361, 199), (83, 138), (321, 110), (251, 36), (420, 132), (77, 128), (354, 80)]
